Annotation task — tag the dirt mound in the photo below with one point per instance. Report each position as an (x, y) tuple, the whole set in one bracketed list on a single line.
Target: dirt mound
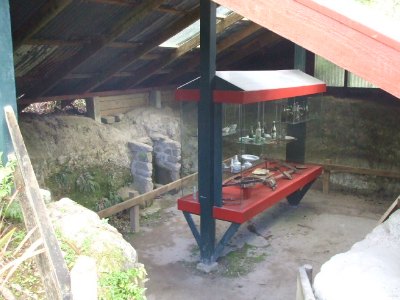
[(60, 142)]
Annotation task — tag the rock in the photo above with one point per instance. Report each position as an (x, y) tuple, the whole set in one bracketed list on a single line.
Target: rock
[(119, 117), (143, 184), (139, 147), (46, 196), (156, 136), (369, 270), (138, 165), (108, 119), (143, 156), (133, 194), (145, 140), (126, 192), (92, 236), (62, 159), (150, 210)]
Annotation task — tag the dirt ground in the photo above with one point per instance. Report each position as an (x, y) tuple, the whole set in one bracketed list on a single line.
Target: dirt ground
[(262, 259)]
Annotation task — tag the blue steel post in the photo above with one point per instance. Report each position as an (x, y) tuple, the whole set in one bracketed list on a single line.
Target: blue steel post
[(209, 117), (296, 150), (7, 80)]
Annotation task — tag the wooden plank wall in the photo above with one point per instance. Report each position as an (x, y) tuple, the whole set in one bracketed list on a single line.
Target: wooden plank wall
[(101, 106), (114, 105)]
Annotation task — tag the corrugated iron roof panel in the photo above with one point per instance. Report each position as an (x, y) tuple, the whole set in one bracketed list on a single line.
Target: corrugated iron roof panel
[(21, 10), (102, 58), (153, 23), (82, 19), (52, 61), (28, 57)]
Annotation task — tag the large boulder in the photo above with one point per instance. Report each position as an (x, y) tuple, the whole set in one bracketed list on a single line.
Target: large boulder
[(87, 234), (369, 270)]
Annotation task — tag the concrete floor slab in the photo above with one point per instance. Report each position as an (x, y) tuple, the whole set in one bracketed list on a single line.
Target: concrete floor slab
[(264, 254)]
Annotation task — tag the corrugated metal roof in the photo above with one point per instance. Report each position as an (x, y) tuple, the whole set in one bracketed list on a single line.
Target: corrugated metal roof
[(53, 60), (147, 27), (21, 10), (28, 57), (64, 51), (102, 58), (81, 20)]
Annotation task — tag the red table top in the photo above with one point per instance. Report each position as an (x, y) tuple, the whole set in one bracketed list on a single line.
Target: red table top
[(253, 200)]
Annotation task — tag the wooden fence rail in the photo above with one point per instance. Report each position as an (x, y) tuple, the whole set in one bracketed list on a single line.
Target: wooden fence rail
[(51, 264), (333, 168)]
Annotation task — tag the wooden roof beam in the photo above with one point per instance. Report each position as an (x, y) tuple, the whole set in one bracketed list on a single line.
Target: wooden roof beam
[(340, 38), (36, 22), (27, 101), (138, 53), (115, 2), (145, 72), (79, 42), (221, 46), (269, 39), (171, 10), (135, 16)]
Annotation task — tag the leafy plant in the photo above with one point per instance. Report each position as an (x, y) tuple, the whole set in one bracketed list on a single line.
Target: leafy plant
[(86, 183), (11, 259), (6, 177), (123, 285), (62, 178), (14, 212)]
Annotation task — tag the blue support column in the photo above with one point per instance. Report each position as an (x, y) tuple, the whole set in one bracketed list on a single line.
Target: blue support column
[(7, 79), (209, 133), (296, 150)]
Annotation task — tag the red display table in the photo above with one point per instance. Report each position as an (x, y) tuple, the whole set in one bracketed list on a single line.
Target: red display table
[(242, 204)]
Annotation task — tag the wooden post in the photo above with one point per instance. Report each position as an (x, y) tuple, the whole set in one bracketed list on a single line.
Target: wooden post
[(304, 283), (84, 279), (51, 264), (395, 206), (327, 176), (134, 218), (326, 180), (91, 109)]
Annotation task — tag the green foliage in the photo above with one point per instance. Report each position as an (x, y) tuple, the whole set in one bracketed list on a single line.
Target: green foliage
[(241, 261), (6, 177), (123, 285), (86, 183), (62, 178), (106, 182), (13, 246), (14, 212)]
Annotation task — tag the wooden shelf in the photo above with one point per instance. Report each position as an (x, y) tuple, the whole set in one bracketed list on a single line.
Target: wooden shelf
[(254, 200)]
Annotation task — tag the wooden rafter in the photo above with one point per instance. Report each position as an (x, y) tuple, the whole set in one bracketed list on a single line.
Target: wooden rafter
[(115, 2), (345, 41), (136, 54), (88, 50), (79, 42), (27, 101), (221, 46), (269, 39), (36, 22), (145, 72), (171, 10)]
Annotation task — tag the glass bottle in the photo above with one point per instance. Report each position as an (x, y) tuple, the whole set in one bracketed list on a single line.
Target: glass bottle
[(251, 133), (273, 130), (258, 133)]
